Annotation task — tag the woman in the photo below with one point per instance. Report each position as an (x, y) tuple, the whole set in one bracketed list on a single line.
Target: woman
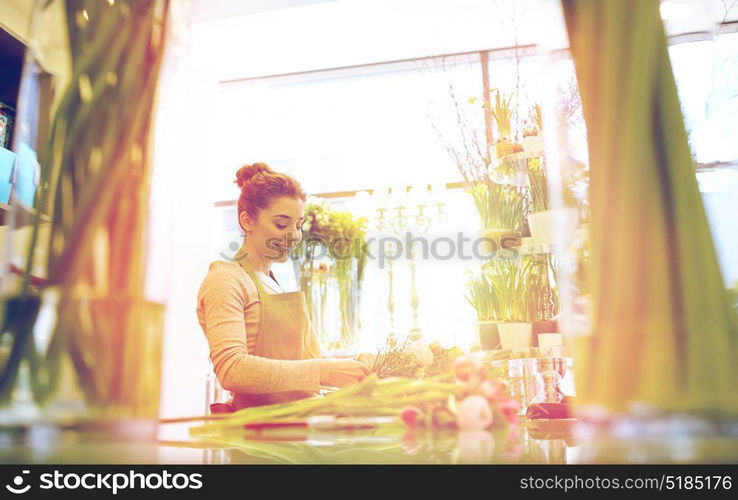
[(262, 344)]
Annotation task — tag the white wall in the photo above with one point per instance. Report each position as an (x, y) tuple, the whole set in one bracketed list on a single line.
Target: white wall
[(181, 216)]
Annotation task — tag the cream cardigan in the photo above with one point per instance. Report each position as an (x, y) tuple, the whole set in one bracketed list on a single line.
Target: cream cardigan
[(228, 310)]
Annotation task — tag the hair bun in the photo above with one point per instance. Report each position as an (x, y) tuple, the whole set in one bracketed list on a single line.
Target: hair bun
[(246, 172)]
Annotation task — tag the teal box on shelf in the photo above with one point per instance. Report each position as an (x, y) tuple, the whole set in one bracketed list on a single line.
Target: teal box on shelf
[(7, 160), (26, 175)]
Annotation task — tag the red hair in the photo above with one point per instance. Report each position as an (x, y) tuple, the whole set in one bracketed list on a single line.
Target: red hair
[(260, 185)]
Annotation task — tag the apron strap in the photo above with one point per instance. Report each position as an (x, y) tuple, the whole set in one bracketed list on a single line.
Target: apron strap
[(246, 266)]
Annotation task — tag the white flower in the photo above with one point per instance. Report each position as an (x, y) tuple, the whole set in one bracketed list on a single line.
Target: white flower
[(474, 414), (422, 353)]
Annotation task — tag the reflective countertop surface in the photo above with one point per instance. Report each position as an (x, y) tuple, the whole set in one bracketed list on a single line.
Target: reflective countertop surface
[(531, 442)]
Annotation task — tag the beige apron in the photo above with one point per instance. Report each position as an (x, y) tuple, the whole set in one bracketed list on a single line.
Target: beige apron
[(285, 332)]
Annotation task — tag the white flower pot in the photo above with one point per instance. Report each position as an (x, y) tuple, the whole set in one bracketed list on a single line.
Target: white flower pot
[(534, 144), (550, 340), (515, 335), (495, 239), (545, 225)]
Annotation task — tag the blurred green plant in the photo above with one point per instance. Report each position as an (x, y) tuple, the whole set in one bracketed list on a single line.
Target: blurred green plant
[(500, 206), (536, 116), (538, 184), (502, 113), (540, 290), (94, 183), (733, 297), (517, 289), (482, 297), (507, 277)]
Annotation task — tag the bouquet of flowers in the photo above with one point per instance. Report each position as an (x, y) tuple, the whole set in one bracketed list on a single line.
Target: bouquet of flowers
[(465, 398), (482, 402), (416, 359)]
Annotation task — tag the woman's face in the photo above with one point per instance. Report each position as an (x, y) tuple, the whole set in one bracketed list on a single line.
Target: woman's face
[(277, 229)]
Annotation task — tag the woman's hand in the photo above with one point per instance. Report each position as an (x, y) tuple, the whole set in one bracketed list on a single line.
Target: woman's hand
[(341, 372), (367, 358)]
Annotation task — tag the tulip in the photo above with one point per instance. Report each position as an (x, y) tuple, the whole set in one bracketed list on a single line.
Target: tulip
[(477, 378), (411, 416), (465, 367), (492, 390), (509, 408), (474, 414)]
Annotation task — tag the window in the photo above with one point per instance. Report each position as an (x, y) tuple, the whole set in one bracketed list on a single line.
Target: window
[(357, 129), (345, 129), (706, 72), (707, 79), (375, 125)]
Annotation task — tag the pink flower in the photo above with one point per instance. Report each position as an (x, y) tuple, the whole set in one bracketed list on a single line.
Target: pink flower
[(494, 390), (509, 408), (466, 367), (474, 414), (490, 390), (411, 416)]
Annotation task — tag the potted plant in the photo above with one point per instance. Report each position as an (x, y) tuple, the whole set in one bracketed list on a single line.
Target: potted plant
[(500, 199), (532, 137), (502, 209), (502, 113), (525, 297), (483, 299), (541, 296), (507, 277), (543, 221)]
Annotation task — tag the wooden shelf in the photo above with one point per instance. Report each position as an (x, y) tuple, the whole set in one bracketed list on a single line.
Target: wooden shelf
[(25, 214)]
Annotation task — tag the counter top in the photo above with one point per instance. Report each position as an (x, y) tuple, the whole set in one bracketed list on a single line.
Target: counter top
[(532, 442)]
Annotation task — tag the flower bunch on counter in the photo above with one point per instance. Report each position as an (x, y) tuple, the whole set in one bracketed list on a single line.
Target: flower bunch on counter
[(482, 402), (417, 359), (464, 398)]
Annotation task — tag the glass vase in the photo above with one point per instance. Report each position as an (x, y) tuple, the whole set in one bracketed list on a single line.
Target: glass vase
[(80, 341), (74, 358), (348, 298)]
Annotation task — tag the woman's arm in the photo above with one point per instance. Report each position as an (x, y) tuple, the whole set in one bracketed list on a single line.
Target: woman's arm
[(222, 299)]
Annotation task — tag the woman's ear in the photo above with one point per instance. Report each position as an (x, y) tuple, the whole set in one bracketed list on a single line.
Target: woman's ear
[(247, 224)]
